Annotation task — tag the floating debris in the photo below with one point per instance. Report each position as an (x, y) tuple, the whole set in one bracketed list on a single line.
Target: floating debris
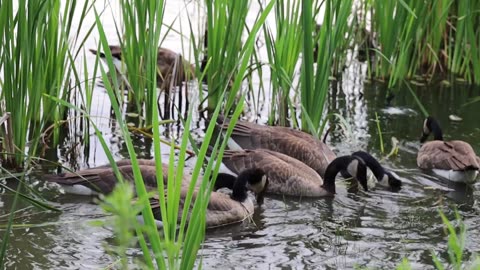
[(131, 114), (399, 111), (417, 83), (455, 118), (445, 83)]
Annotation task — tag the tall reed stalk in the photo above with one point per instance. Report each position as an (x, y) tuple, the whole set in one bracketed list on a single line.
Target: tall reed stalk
[(430, 37), (227, 56), (456, 232), (283, 54), (315, 79), (139, 41), (176, 247), (464, 52), (36, 59)]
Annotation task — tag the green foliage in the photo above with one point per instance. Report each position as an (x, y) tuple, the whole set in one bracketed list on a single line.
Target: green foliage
[(283, 54), (429, 37), (405, 265), (456, 243), (315, 81), (36, 59), (227, 57), (177, 246), (142, 21), (457, 235)]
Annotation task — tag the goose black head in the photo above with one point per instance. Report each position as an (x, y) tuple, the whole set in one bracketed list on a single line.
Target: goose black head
[(258, 183), (380, 173), (352, 164), (431, 125), (393, 182), (249, 179)]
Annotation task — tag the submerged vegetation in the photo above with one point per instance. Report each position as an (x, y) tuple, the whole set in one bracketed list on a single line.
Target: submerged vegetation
[(309, 44)]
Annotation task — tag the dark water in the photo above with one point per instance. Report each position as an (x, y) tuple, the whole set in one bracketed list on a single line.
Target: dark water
[(375, 229)]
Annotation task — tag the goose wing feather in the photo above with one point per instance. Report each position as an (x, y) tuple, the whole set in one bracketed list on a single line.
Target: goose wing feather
[(452, 155), (294, 143), (287, 175), (221, 209), (103, 179)]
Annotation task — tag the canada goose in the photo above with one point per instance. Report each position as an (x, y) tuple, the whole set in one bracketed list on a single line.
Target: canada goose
[(378, 171), (222, 209), (294, 143), (289, 176), (225, 209), (453, 160), (102, 179), (169, 64)]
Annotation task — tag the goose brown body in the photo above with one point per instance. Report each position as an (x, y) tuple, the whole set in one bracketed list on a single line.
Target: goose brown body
[(102, 179), (222, 209), (171, 65), (447, 155), (286, 175), (455, 160), (294, 143)]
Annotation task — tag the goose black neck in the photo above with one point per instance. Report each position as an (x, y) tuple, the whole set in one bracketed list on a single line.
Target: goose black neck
[(204, 62), (436, 130), (251, 176), (225, 180), (372, 163), (239, 189), (338, 164)]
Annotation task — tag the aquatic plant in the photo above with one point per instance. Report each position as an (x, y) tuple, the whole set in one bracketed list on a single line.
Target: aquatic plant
[(283, 51), (315, 81), (455, 247), (139, 37), (178, 245), (227, 57), (432, 38), (37, 58)]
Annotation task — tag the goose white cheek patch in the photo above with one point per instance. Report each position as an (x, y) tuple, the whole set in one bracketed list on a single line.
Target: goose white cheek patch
[(257, 187), (353, 168)]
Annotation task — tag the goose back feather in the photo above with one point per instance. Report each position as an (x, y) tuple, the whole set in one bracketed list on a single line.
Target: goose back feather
[(221, 209), (103, 179), (288, 141), (286, 175)]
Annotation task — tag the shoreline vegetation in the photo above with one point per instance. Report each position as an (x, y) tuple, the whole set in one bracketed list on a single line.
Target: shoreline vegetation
[(47, 89)]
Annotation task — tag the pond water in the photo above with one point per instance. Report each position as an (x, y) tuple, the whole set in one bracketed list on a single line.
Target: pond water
[(375, 229)]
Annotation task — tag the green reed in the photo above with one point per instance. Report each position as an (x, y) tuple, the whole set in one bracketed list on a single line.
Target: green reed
[(464, 49), (283, 51), (427, 38), (36, 58), (457, 236), (227, 56), (176, 247), (315, 80), (139, 40)]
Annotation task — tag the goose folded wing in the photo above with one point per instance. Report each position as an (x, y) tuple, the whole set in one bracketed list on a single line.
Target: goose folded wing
[(453, 155)]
